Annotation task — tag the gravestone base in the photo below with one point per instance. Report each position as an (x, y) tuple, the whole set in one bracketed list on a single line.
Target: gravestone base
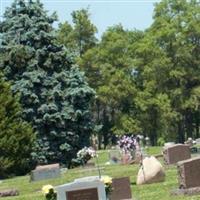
[(188, 191)]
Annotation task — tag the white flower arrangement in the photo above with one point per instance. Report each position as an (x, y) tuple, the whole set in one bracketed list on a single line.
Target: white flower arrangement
[(86, 154)]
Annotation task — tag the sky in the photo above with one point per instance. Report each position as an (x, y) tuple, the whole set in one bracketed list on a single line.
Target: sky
[(104, 13)]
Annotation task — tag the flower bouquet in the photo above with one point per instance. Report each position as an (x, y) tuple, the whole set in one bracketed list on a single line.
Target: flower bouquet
[(127, 143), (108, 185), (49, 192), (86, 154), (128, 146)]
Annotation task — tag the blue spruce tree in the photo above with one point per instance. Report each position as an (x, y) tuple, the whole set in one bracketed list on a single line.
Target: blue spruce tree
[(53, 92)]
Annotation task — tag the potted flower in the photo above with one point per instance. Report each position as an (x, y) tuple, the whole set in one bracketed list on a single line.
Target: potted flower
[(86, 154), (49, 192), (108, 185)]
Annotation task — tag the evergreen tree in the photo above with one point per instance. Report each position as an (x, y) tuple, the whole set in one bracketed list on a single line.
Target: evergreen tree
[(53, 92), (16, 136)]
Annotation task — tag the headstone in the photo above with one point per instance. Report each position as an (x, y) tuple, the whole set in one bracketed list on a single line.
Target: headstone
[(82, 190), (121, 189), (151, 171), (198, 141), (115, 156), (173, 154), (45, 172), (10, 192), (189, 173)]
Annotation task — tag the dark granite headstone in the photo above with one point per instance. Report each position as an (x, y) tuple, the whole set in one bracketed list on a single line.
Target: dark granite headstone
[(85, 194), (45, 172), (178, 152), (121, 189), (189, 173)]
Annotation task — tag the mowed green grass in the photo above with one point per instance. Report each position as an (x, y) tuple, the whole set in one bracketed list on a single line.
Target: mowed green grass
[(159, 191)]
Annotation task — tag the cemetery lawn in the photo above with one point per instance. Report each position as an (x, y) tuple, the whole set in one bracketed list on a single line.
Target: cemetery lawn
[(159, 191)]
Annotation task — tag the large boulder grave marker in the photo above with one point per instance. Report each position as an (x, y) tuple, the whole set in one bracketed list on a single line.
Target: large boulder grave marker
[(151, 171)]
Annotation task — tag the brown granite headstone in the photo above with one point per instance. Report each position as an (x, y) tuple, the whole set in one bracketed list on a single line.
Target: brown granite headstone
[(121, 189), (178, 152), (84, 194), (189, 173)]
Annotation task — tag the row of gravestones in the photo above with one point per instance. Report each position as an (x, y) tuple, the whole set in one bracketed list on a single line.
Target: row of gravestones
[(188, 168), (87, 188)]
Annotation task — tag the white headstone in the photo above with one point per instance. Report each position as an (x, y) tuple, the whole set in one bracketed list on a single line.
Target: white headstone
[(79, 190)]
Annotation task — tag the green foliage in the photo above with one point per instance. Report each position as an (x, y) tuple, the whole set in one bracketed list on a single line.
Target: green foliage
[(168, 64), (161, 141), (53, 92), (110, 70), (16, 136), (80, 37)]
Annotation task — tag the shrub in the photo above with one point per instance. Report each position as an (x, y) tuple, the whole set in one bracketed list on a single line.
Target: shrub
[(16, 135)]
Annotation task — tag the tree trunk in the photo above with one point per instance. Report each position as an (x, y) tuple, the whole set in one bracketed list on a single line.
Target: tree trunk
[(181, 135), (197, 124)]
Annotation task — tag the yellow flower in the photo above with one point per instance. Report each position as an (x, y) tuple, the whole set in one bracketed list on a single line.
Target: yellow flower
[(46, 188), (106, 179)]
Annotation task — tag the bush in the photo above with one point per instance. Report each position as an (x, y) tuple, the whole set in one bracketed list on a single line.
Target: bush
[(160, 141), (16, 136)]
